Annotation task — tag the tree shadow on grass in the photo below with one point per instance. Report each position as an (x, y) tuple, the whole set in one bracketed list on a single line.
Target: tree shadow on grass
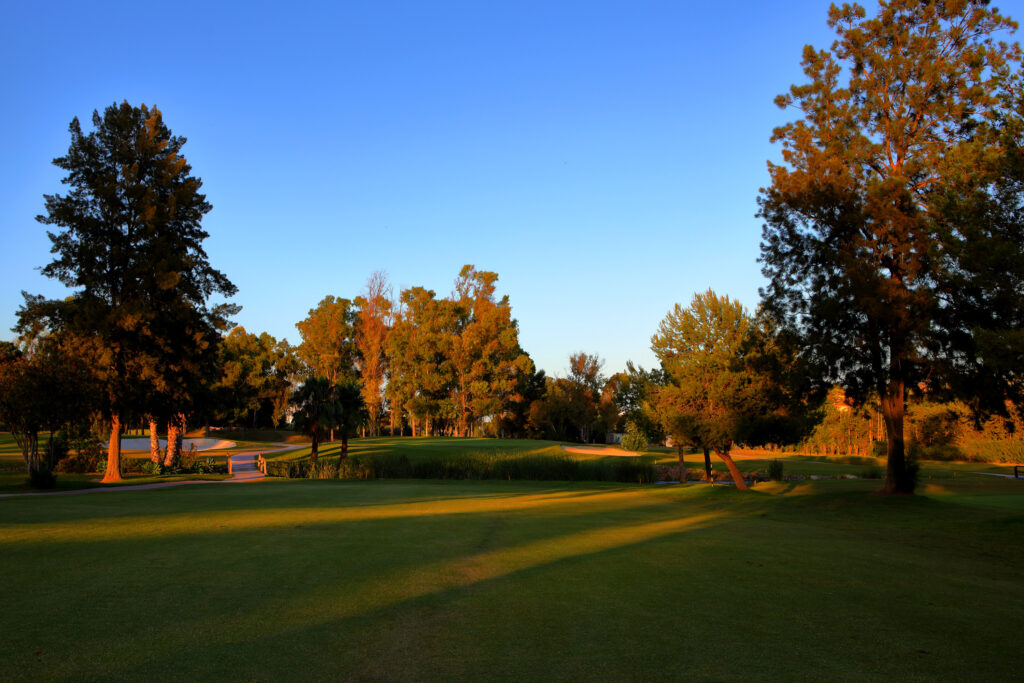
[(402, 589)]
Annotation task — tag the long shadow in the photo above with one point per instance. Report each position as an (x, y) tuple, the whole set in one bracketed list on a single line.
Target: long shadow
[(584, 534), (419, 608), (174, 522), (327, 494), (409, 579)]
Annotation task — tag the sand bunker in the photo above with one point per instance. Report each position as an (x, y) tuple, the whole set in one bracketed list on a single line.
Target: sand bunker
[(200, 444), (597, 450)]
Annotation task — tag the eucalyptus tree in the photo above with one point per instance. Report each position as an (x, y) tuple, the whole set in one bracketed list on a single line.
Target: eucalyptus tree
[(374, 322)]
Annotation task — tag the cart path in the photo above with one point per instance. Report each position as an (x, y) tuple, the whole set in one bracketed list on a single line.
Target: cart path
[(243, 466)]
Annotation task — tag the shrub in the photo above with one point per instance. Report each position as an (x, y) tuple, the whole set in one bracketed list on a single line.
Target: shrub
[(944, 452), (56, 448), (297, 469), (634, 439), (152, 468), (89, 458), (208, 466), (871, 472), (993, 450), (775, 470), (188, 457), (324, 469)]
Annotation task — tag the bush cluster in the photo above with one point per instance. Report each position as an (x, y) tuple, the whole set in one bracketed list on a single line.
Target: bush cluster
[(634, 439), (90, 457)]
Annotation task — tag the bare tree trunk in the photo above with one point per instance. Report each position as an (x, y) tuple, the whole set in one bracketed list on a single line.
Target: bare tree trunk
[(314, 452), (154, 441), (897, 478), (113, 473), (707, 463), (173, 450), (344, 448), (737, 476), (682, 463), (392, 430)]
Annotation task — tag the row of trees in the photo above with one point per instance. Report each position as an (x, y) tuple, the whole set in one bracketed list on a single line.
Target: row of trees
[(438, 365)]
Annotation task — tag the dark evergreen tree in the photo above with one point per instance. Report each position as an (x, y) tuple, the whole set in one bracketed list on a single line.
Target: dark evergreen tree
[(128, 241)]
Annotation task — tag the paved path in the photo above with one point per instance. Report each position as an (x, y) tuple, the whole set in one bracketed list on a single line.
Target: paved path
[(243, 466)]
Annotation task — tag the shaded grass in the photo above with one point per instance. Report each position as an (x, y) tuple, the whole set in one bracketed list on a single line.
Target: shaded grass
[(17, 482), (512, 581)]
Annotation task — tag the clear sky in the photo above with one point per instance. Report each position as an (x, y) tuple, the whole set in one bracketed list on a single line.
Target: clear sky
[(604, 158)]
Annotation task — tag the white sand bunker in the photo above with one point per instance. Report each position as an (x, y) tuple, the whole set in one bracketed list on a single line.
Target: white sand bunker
[(200, 444)]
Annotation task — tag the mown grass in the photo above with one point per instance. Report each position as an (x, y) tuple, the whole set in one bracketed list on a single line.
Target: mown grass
[(417, 580), (422, 449)]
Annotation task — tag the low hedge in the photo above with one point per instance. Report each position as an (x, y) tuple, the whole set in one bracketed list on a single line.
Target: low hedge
[(470, 466)]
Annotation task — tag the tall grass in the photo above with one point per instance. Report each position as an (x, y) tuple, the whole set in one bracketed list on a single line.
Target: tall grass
[(508, 465)]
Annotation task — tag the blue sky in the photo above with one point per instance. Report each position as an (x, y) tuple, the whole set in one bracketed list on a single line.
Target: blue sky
[(603, 158)]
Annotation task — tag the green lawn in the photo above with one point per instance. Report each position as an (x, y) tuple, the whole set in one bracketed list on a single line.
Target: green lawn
[(430, 580), (428, 447)]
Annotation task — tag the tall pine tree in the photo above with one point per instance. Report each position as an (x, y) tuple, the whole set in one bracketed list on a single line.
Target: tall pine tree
[(893, 241), (128, 240)]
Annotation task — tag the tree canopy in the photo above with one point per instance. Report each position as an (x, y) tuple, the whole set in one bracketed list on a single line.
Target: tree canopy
[(709, 394)]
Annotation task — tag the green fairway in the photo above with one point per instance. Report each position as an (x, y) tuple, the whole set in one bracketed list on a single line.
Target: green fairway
[(513, 580), (430, 446)]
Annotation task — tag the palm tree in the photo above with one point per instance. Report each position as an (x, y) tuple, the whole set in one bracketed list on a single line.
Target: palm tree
[(315, 411), (350, 413)]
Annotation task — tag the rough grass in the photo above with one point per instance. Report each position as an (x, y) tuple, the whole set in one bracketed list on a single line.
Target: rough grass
[(511, 581)]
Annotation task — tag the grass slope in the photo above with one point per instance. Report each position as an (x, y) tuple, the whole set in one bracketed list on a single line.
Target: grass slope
[(512, 580)]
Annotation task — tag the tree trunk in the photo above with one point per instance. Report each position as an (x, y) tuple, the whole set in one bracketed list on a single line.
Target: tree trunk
[(173, 451), (154, 441), (707, 463), (462, 403), (897, 478), (392, 430), (182, 427), (682, 463), (113, 473), (344, 448), (737, 476), (314, 452)]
